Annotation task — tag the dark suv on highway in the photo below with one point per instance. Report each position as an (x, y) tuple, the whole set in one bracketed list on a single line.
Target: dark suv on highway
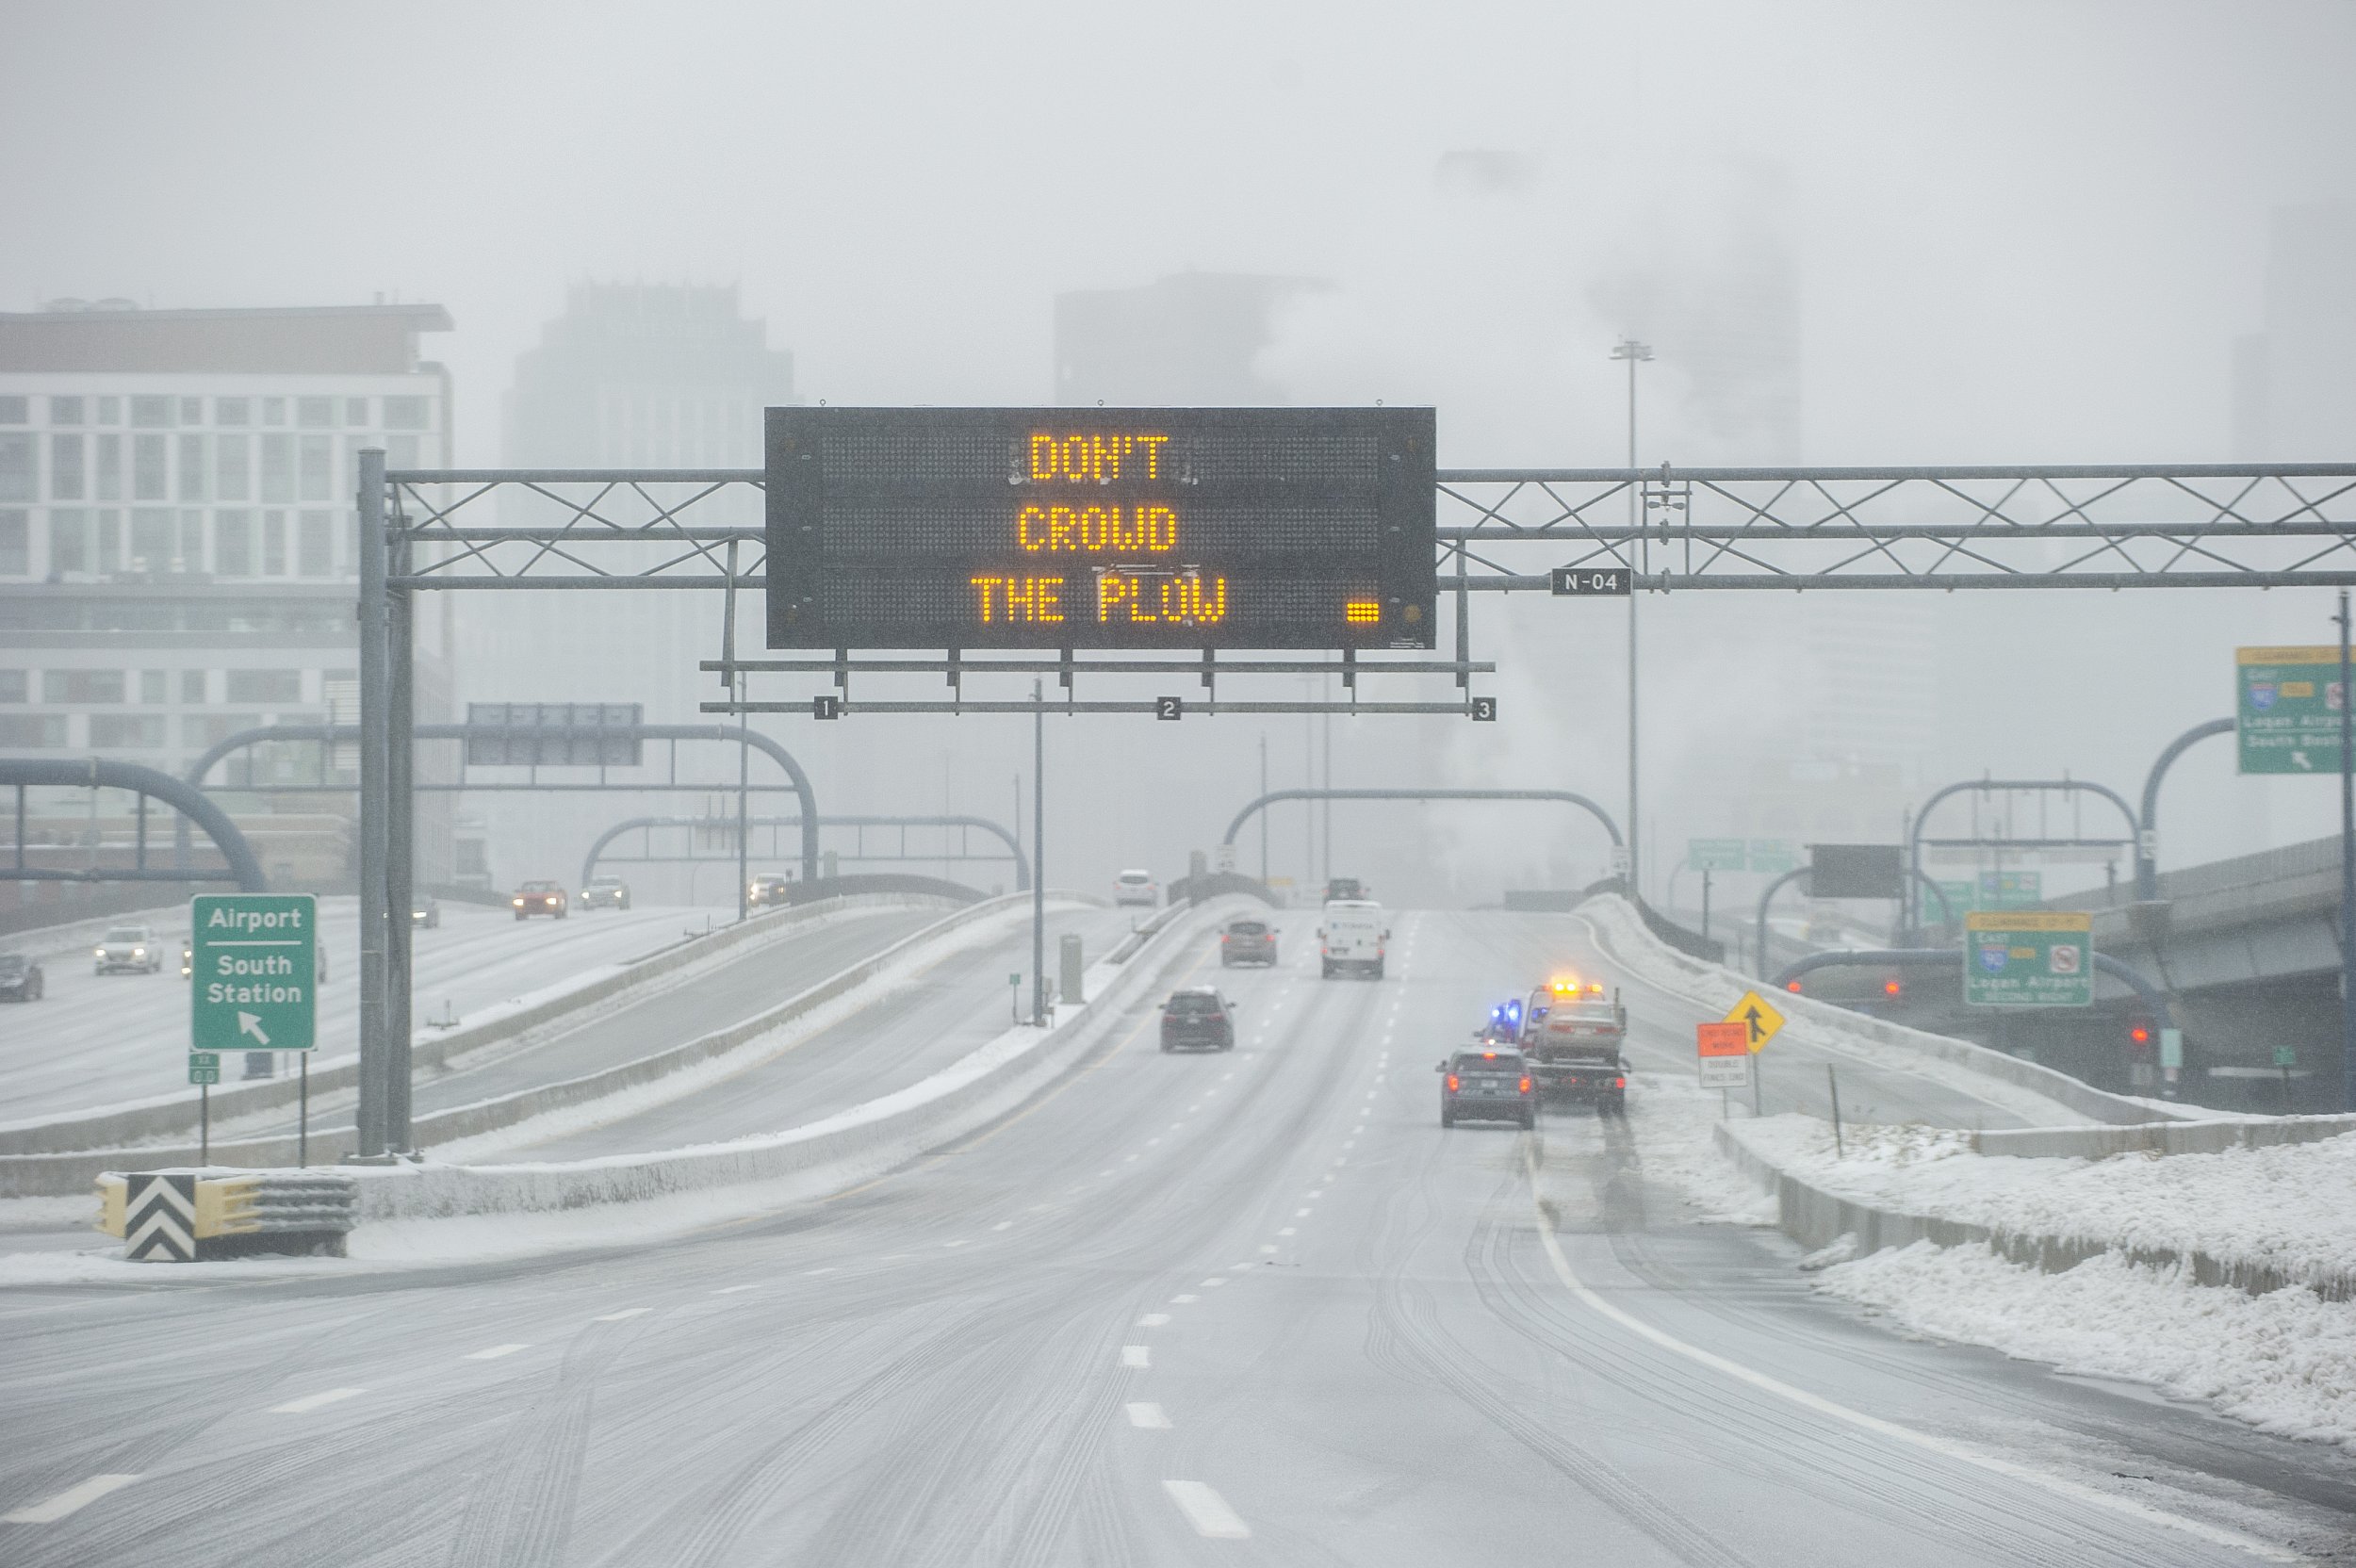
[(1246, 941), (1198, 1019), (1487, 1086)]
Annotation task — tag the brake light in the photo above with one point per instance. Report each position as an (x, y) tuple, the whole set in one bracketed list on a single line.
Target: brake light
[(1452, 1083), (1792, 986), (1525, 1086), (1619, 1083)]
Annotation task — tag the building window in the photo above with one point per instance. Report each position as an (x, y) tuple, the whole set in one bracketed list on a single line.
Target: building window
[(14, 686), (193, 686), (32, 730), (191, 411), (109, 450), (69, 541), (16, 411), (318, 469), (355, 411), (150, 413), (81, 688), (404, 412), (65, 467), (192, 467), (233, 545), (65, 411), (147, 467), (109, 541), (209, 729), (151, 537), (232, 467), (314, 412), (232, 411), (316, 553), (16, 544), (280, 686), (191, 541), (17, 466), (278, 478), (126, 731), (274, 543), (274, 411), (153, 684), (110, 411), (402, 451)]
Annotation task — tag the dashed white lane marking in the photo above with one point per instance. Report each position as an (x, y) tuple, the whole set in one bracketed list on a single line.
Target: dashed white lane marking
[(1288, 1231), (83, 1493), (312, 1401), (493, 1352), (1149, 1416), (1187, 1299), (1004, 1225), (731, 1290), (1136, 1355), (1103, 1174), (1133, 1158), (1149, 1143), (1300, 1214), (1207, 1511), (1215, 1282), (1266, 1248), (1962, 1452), (1153, 1320), (829, 1269), (634, 1312), (959, 1242), (1239, 1267)]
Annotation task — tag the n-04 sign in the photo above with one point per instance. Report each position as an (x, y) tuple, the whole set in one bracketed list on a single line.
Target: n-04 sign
[(252, 972), (2028, 958)]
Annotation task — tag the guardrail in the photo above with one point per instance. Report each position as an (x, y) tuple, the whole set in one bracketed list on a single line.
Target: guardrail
[(120, 1128), (2160, 1137)]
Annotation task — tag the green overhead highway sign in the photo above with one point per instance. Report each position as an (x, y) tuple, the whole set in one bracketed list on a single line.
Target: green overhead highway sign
[(253, 972), (1773, 855), (1714, 854), (2028, 958), (2286, 711)]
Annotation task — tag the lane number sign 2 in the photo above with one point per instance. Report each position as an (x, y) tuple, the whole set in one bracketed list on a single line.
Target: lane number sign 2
[(1616, 581)]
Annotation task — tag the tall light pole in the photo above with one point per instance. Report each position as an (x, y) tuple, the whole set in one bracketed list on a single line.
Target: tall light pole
[(1634, 353)]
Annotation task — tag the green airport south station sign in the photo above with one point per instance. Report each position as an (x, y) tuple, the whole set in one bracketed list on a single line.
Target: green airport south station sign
[(252, 972), (2286, 709)]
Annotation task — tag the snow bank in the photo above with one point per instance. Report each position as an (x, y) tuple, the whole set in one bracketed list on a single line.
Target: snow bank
[(2284, 1362), (1672, 1120), (2257, 1215), (2038, 1095)]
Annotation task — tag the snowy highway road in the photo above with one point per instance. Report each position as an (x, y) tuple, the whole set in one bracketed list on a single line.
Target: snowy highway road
[(1247, 1308)]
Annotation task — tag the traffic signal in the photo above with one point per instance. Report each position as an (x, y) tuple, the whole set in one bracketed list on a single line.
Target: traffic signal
[(1792, 984), (2142, 1039)]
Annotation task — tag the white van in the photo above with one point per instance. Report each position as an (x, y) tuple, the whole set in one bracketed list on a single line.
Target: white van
[(1352, 937)]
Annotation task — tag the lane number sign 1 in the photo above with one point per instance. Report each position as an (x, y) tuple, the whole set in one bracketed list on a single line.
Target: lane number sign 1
[(1613, 581)]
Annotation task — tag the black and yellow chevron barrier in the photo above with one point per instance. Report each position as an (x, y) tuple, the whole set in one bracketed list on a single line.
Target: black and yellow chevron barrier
[(193, 1216)]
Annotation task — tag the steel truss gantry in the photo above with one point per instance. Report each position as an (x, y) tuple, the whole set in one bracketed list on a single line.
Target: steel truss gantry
[(1500, 530)]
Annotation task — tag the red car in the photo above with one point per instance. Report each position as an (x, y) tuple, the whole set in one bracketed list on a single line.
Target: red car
[(539, 898)]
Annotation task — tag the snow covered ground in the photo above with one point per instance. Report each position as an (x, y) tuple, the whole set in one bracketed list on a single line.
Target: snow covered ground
[(2284, 1362)]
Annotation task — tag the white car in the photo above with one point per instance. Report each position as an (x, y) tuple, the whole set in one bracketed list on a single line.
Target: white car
[(1136, 887), (130, 947)]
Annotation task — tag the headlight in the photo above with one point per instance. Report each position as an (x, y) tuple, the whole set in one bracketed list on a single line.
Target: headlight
[(139, 952), (519, 904), (101, 952)]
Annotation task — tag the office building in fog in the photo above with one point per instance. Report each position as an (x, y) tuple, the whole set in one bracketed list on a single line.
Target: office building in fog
[(2294, 380), (1191, 340), (177, 518)]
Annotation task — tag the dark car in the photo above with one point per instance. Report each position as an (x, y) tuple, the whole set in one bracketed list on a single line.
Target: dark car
[(1198, 1019), (427, 912), (608, 892), (1246, 941), (20, 978), (768, 890), (539, 898), (1487, 1086)]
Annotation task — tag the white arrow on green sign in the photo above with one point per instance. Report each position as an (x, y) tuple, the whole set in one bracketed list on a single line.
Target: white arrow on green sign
[(252, 972)]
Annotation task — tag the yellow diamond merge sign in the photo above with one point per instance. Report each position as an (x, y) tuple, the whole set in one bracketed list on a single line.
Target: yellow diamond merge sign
[(1757, 1016)]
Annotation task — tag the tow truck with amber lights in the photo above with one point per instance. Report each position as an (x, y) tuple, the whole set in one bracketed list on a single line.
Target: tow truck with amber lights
[(1572, 1032)]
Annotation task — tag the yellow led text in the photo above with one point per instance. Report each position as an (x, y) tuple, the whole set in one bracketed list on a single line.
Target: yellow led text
[(1096, 459), (1017, 600), (1130, 599), (1084, 530)]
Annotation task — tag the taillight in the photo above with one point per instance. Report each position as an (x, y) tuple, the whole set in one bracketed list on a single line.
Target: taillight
[(1452, 1083), (1525, 1086), (1619, 1083)]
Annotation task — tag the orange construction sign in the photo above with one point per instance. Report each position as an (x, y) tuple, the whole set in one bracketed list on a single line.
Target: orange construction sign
[(1722, 1039)]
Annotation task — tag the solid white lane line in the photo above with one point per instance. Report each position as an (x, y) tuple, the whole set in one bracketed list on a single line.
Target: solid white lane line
[(1136, 1355), (1187, 1299), (493, 1352), (632, 1312), (1153, 1320), (312, 1401), (1149, 1416), (1207, 1511), (1963, 1452), (83, 1493)]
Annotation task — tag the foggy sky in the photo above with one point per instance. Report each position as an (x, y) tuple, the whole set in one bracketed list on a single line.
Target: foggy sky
[(2024, 232)]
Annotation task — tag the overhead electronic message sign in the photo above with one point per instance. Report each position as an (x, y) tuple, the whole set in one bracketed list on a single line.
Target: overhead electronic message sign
[(1063, 527)]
